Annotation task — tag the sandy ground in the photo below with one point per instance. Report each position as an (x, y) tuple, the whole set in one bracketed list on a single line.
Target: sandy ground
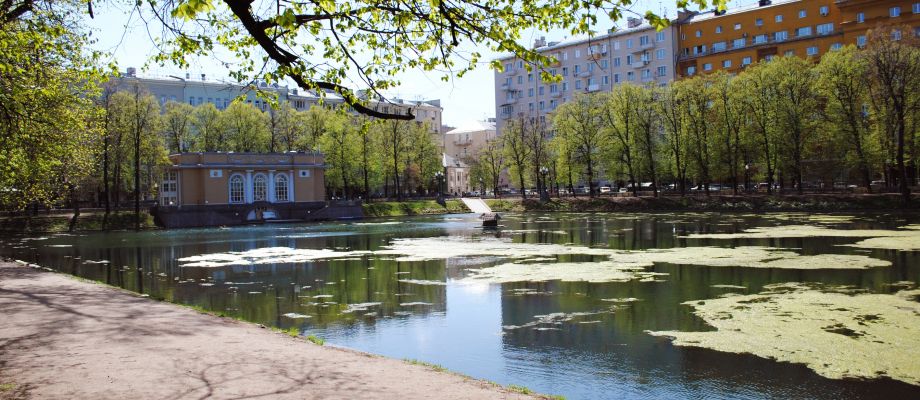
[(61, 338)]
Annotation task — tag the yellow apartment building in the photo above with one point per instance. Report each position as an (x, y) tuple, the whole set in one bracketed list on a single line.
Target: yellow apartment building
[(730, 40)]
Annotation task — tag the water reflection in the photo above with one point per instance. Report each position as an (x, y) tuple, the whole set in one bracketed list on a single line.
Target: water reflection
[(578, 339)]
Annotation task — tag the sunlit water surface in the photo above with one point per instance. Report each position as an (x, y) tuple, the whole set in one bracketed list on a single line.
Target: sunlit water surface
[(469, 328)]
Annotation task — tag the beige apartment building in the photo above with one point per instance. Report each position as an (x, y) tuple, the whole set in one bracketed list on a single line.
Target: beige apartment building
[(638, 54), (242, 178), (460, 145), (200, 89)]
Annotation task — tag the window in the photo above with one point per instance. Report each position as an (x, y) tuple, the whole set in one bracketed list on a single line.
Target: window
[(629, 60), (896, 34), (707, 67), (699, 33), (662, 71), (507, 67), (630, 76), (508, 81), (719, 46), (805, 31), (824, 11), (606, 80), (779, 18), (646, 74), (860, 18), (737, 27), (616, 45), (861, 41), (616, 62), (565, 56), (191, 101), (236, 189), (578, 84), (836, 46), (281, 187), (577, 69), (812, 51), (604, 64), (738, 43), (529, 77), (781, 36), (643, 40), (825, 29), (628, 43), (719, 29), (660, 35), (726, 63), (565, 86), (916, 8), (530, 106), (565, 71), (758, 22), (542, 106), (553, 88), (894, 12), (746, 61), (577, 53), (590, 67), (259, 188), (789, 53), (520, 80), (216, 173), (552, 104), (802, 14), (768, 57), (691, 70), (760, 39), (616, 78), (660, 54), (530, 92), (540, 90)]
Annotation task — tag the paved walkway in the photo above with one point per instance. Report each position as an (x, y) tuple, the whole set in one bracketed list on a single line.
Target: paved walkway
[(61, 338)]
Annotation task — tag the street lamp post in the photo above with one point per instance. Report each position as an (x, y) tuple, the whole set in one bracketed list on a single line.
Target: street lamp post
[(482, 188), (544, 194), (439, 178), (747, 176)]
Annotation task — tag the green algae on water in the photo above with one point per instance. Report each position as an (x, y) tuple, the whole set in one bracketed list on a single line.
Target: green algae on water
[(836, 333)]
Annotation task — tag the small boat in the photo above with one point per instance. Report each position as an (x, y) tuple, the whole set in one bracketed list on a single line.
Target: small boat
[(490, 220)]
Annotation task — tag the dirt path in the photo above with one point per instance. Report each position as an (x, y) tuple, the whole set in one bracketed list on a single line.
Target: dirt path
[(61, 338)]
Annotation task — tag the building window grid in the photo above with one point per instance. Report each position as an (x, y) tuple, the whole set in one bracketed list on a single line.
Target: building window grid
[(894, 12), (281, 188), (236, 189), (259, 188)]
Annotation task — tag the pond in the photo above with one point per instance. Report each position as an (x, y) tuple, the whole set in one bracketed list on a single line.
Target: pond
[(579, 305)]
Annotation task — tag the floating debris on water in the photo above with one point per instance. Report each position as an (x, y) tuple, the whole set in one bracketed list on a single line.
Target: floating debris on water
[(292, 315), (832, 331)]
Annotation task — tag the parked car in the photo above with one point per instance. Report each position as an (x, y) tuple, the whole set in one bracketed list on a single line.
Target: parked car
[(606, 190)]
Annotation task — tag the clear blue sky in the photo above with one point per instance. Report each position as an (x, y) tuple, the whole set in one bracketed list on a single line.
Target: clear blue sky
[(464, 99)]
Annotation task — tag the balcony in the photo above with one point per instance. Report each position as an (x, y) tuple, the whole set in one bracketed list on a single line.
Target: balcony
[(510, 101), (513, 71), (506, 86), (593, 88), (557, 93), (462, 142), (584, 74), (595, 56), (639, 64)]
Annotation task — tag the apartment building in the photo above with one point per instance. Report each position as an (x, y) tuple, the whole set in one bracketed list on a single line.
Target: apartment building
[(196, 90), (730, 40), (460, 145), (638, 54)]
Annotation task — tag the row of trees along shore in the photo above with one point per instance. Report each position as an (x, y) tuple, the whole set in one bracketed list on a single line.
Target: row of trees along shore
[(365, 156), (778, 122)]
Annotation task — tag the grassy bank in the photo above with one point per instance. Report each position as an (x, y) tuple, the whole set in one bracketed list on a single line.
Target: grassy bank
[(86, 222), (809, 202), (413, 207)]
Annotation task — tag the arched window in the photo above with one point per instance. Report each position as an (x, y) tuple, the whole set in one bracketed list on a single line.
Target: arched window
[(281, 188), (259, 188), (236, 189)]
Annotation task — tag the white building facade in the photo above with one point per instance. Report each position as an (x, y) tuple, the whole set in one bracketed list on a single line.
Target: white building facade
[(639, 54)]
